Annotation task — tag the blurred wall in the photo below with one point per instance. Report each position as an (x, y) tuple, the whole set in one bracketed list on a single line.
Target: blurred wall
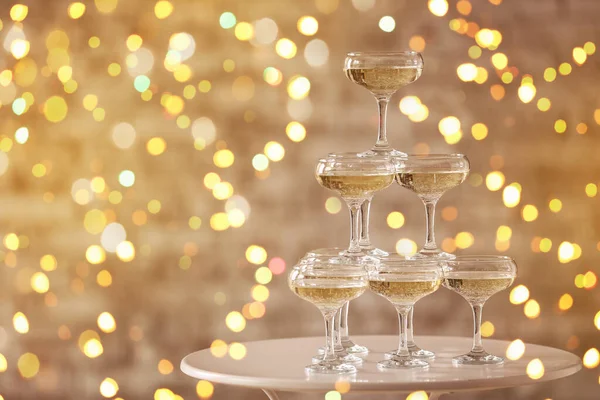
[(154, 156)]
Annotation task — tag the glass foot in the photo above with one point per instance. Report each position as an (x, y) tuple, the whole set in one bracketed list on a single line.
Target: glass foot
[(343, 358), (382, 151), (402, 363), (415, 352), (374, 251), (434, 253), (482, 358), (330, 367)]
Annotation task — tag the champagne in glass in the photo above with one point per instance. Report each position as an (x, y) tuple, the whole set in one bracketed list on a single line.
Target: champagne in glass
[(476, 279)]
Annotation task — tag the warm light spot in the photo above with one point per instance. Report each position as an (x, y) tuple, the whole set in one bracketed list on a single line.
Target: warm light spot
[(494, 181), (260, 293), (591, 190), (342, 386), (484, 38), (529, 213), (579, 55), (256, 254), (285, 48), (439, 8), (566, 251), (591, 358), (162, 9), (395, 220), (19, 12), (597, 320), (500, 61), (449, 125), (464, 240), (406, 247), (104, 278), (48, 262), (589, 279), (511, 196), (3, 363), (109, 388), (515, 350), (535, 369), (204, 389), (295, 131), (420, 395), (449, 213), (263, 275), (308, 25), (487, 329), (223, 158), (497, 92), (387, 23), (219, 221), (237, 351), (218, 348), (526, 93), (20, 323), (532, 309), (467, 72), (260, 162), (298, 87), (409, 105), (474, 51), (76, 10), (544, 104), (93, 348), (333, 205), (55, 109), (519, 294), (560, 126), (274, 151), (95, 254), (545, 245), (565, 302), (28, 365), (40, 282), (479, 131), (416, 43), (235, 321), (581, 128), (503, 233), (565, 68)]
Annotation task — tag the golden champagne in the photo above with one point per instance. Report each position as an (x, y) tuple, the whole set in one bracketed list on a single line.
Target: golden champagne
[(329, 297), (384, 80), (404, 292), (477, 286), (431, 184), (355, 186)]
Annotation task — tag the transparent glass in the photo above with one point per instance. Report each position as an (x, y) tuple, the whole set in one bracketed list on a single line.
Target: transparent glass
[(430, 176), (383, 74), (344, 347), (355, 179), (328, 286), (413, 348), (476, 279), (403, 282)]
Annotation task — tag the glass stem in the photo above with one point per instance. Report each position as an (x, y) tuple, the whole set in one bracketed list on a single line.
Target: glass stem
[(477, 343), (365, 210), (344, 334), (329, 335), (382, 104), (409, 334), (403, 312), (354, 207), (430, 220)]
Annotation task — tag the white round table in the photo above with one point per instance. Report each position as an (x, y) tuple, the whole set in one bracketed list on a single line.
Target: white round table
[(278, 365)]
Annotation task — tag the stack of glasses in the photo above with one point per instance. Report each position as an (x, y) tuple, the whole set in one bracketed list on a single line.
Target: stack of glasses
[(330, 278)]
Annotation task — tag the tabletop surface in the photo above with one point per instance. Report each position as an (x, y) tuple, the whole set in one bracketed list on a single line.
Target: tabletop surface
[(279, 365)]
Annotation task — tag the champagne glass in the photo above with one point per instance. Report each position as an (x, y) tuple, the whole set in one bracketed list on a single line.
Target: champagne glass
[(476, 279), (355, 179), (344, 346), (415, 351), (383, 74), (403, 283), (328, 286), (430, 176)]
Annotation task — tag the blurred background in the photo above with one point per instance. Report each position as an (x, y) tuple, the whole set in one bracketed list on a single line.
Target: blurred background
[(156, 179)]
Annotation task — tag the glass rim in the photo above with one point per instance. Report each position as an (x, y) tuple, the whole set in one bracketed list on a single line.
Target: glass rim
[(433, 156), (356, 156), (382, 53), (479, 259)]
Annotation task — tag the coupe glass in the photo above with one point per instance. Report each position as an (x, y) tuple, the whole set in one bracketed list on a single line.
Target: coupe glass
[(476, 279), (415, 351), (355, 179), (328, 286), (383, 74), (344, 345), (403, 283), (430, 176)]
